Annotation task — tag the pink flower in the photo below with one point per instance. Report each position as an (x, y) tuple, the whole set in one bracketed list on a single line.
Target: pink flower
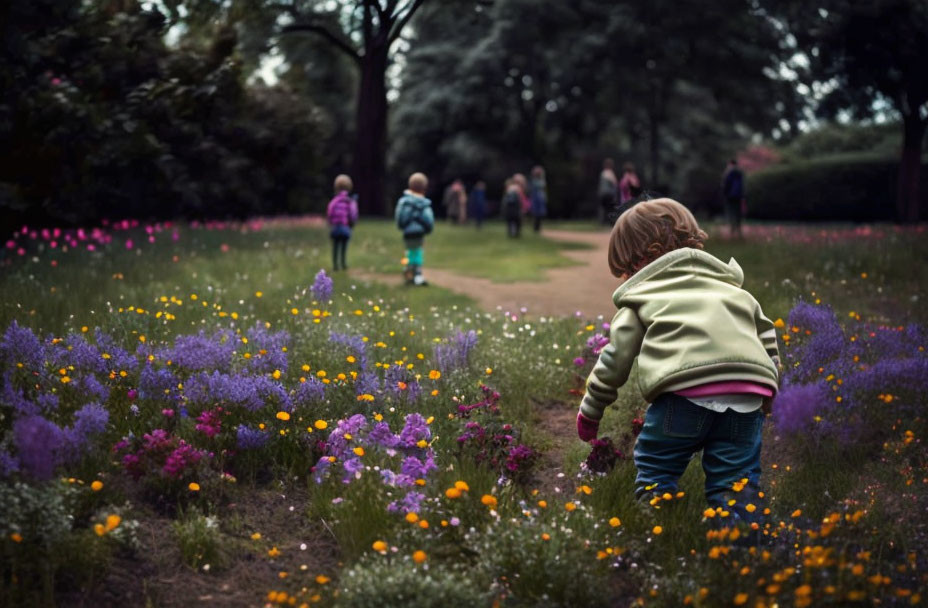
[(128, 243)]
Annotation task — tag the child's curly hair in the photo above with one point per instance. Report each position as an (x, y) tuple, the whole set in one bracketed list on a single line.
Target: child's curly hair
[(648, 230)]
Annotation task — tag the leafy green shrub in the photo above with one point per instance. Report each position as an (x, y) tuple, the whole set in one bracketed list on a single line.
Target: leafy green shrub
[(377, 581), (199, 539), (848, 187), (41, 548)]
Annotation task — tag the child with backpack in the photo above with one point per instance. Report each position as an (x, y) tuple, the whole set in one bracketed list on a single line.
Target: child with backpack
[(707, 359), (415, 218), (342, 214)]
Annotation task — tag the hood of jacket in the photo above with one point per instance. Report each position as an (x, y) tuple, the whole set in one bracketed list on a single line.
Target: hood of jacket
[(667, 271)]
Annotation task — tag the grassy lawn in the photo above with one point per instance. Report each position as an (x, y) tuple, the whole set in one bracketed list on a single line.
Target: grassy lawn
[(844, 494)]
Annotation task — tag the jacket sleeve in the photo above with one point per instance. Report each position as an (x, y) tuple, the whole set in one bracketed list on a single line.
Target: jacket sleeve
[(767, 334), (614, 364), (398, 215), (428, 217)]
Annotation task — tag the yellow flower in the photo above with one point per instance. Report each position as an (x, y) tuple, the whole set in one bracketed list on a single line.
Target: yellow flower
[(422, 443), (194, 486), (273, 552), (424, 524), (99, 529), (322, 579), (65, 379), (112, 521), (488, 500), (585, 489), (740, 599), (294, 311), (796, 513), (462, 485), (379, 546), (16, 537), (489, 371), (320, 424), (434, 374), (453, 493), (256, 536), (779, 324), (258, 294), (350, 359), (543, 504), (615, 522), (412, 517), (96, 486), (285, 416), (570, 506), (657, 530), (750, 508), (276, 374), (358, 451), (419, 556), (545, 536)]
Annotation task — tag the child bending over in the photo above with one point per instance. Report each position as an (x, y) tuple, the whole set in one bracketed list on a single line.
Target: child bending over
[(707, 357)]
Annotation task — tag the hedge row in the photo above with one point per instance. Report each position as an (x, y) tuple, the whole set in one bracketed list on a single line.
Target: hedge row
[(848, 187)]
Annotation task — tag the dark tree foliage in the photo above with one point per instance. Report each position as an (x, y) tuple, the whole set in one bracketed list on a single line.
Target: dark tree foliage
[(99, 119), (675, 86), (861, 53)]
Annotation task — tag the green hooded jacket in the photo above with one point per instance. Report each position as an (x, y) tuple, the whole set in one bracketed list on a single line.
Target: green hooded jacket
[(687, 320)]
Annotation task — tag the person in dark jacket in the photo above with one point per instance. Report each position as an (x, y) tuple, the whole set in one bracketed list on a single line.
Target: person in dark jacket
[(539, 195), (734, 192), (478, 203), (414, 216)]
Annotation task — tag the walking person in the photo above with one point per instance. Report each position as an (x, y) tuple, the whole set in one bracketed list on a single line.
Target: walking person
[(455, 202), (478, 203), (733, 192), (607, 191), (342, 213), (539, 196), (629, 185), (415, 218), (512, 208)]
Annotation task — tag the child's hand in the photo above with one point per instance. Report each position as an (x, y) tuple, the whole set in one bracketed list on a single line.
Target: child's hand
[(767, 406), (586, 429)]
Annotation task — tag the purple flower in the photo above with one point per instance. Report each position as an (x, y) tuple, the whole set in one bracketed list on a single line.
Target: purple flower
[(202, 352), (89, 421), (273, 345), (322, 286), (382, 435), (248, 438), (353, 467), (456, 352), (411, 503), (39, 443), (418, 469), (309, 392), (20, 345), (414, 430)]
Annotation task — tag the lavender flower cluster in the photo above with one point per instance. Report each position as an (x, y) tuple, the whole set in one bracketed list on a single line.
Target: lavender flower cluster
[(455, 354), (836, 379), (402, 458)]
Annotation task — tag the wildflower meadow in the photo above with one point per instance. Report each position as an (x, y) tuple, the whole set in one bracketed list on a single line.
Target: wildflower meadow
[(204, 414)]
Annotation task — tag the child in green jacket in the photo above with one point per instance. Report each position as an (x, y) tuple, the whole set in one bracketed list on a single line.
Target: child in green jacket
[(415, 218), (707, 358)]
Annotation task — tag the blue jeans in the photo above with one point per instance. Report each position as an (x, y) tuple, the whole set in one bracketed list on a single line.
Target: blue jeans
[(675, 429)]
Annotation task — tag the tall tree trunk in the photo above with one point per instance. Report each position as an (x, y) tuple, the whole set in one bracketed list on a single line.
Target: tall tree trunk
[(370, 143), (908, 209)]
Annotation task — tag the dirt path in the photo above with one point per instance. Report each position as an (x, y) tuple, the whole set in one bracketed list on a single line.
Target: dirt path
[(586, 287)]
